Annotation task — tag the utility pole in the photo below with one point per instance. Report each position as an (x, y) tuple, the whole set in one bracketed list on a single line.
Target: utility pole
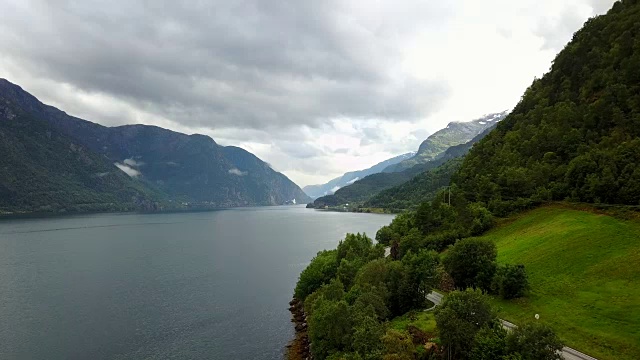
[(444, 194)]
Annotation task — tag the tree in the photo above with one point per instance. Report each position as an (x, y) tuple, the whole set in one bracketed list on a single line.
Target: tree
[(386, 236), (347, 271), (354, 246), (459, 318), (422, 275), (320, 271), (472, 263), (534, 341), (510, 281), (366, 337), (330, 328), (333, 291), (490, 343)]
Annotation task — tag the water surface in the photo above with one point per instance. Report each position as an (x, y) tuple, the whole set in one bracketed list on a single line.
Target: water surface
[(211, 285)]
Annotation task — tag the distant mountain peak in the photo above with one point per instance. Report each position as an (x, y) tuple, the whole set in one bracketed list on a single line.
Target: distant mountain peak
[(455, 133)]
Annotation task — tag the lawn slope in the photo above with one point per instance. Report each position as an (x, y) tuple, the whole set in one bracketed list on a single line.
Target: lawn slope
[(584, 271)]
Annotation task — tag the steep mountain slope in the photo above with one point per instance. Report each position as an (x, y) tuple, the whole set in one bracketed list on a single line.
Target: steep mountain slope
[(363, 190), (456, 133), (188, 168), (576, 132), (349, 178), (43, 170)]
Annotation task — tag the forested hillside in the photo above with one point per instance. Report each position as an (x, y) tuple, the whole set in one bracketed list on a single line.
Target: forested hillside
[(42, 170), (455, 133), (57, 162), (576, 132), (420, 188), (404, 189)]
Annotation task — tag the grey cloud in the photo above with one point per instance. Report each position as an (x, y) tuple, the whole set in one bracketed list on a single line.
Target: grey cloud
[(300, 149), (219, 64), (371, 135)]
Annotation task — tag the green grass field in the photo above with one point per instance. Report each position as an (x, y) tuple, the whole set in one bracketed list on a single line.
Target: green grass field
[(423, 320), (584, 271)]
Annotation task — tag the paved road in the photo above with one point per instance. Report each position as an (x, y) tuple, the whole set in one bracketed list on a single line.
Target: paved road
[(567, 352)]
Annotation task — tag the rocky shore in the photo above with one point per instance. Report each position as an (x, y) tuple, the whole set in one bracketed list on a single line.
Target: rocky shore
[(298, 348)]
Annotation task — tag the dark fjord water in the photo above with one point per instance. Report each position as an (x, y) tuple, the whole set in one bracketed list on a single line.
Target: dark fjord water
[(212, 285)]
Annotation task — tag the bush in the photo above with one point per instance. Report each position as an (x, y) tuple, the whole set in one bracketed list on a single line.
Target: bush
[(534, 341)]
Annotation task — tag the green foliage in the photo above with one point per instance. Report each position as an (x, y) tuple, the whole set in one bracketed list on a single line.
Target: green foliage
[(510, 281), (366, 337), (345, 356), (398, 345), (472, 263), (423, 320), (490, 343), (320, 271), (376, 288), (354, 246), (575, 133), (386, 236), (332, 291), (330, 328), (422, 187), (534, 341), (422, 275), (460, 317)]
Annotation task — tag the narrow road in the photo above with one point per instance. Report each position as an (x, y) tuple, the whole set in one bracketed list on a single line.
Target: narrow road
[(567, 352)]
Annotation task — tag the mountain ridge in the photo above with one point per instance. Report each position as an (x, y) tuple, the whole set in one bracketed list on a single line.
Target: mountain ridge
[(455, 133), (186, 168), (330, 187), (365, 189)]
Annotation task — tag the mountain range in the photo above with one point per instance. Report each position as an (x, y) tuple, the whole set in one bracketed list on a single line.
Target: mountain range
[(56, 162), (349, 178), (426, 159), (456, 133)]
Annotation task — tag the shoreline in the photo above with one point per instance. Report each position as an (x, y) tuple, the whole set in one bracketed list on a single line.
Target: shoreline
[(298, 348)]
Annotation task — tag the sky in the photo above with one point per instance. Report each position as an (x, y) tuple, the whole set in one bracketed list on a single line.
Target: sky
[(314, 88)]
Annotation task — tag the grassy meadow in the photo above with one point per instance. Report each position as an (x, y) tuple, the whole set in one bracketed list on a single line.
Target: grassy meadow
[(584, 272)]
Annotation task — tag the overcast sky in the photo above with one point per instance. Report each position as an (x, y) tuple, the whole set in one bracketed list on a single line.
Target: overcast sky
[(315, 88)]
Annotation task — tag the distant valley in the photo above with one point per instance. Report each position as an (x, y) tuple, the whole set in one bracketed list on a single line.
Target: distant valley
[(316, 191)]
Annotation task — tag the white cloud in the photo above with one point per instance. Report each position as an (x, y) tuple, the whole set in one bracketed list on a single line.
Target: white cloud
[(237, 172), (128, 170), (132, 162)]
